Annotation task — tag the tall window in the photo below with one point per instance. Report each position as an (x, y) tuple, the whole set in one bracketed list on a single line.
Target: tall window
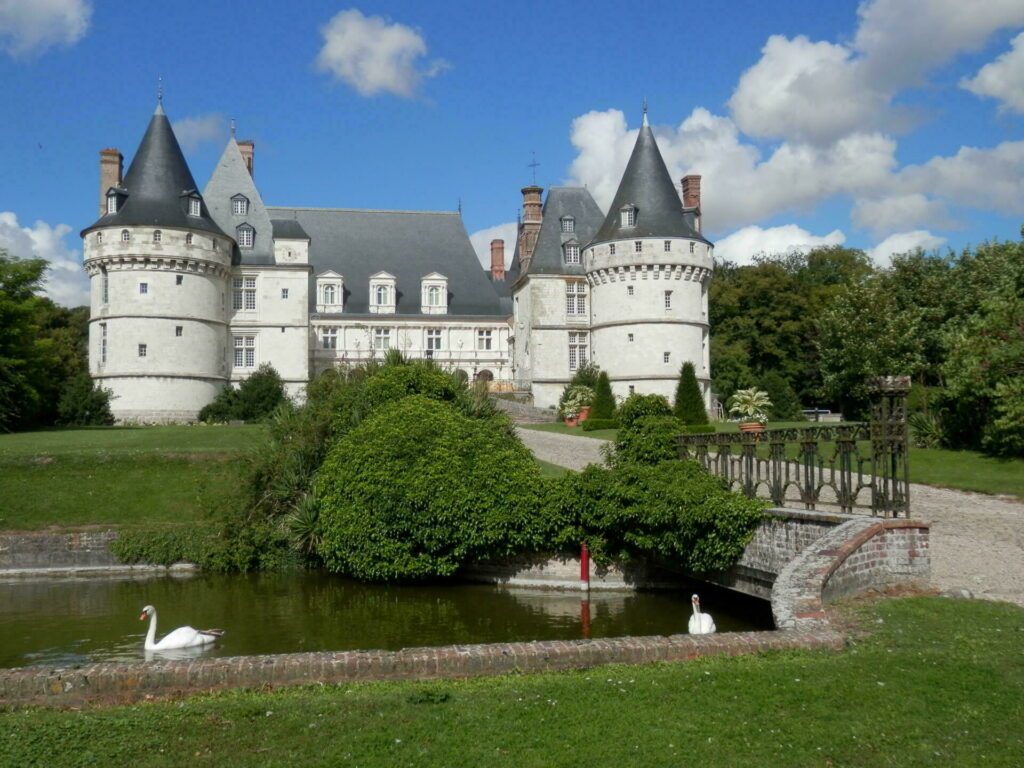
[(329, 294), (381, 295), (245, 351), (611, 249), (189, 238), (668, 299), (638, 246), (126, 236), (194, 207), (433, 340), (483, 340), (105, 286), (434, 296), (668, 246), (99, 238), (142, 350), (246, 237), (103, 343), (330, 338), (239, 206), (112, 204), (576, 298), (693, 247), (143, 288), (572, 254), (577, 349), (629, 290), (244, 293), (628, 217), (666, 356), (568, 224), (382, 338), (157, 235)]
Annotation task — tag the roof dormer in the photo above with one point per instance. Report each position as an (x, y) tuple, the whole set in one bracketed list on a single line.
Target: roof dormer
[(434, 294), (627, 215), (383, 293), (330, 292)]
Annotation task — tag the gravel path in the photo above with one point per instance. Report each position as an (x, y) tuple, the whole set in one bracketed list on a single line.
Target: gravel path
[(977, 541)]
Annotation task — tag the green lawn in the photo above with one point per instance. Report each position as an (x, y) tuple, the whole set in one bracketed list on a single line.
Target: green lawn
[(938, 682), (559, 426), (129, 440)]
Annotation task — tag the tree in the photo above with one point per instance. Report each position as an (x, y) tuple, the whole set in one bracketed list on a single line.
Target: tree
[(22, 364), (84, 403), (603, 405), (689, 406), (785, 405), (256, 398)]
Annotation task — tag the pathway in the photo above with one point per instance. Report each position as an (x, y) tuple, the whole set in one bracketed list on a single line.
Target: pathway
[(977, 541)]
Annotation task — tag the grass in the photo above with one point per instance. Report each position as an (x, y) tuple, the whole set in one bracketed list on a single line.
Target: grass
[(938, 682), (560, 428), (123, 477)]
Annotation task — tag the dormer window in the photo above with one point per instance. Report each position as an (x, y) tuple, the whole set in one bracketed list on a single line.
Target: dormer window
[(240, 205), (572, 253), (628, 215), (111, 204), (194, 206), (126, 236), (568, 224), (382, 293), (329, 292), (434, 294), (246, 236), (157, 235)]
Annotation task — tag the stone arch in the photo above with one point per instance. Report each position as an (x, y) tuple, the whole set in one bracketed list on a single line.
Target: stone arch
[(485, 375)]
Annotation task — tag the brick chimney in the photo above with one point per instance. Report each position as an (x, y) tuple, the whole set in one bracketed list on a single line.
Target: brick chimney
[(691, 196), (529, 228), (248, 148), (497, 259), (111, 171)]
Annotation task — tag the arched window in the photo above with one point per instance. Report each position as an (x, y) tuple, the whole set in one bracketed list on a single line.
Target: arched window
[(434, 296), (157, 235), (126, 236), (188, 239), (382, 295), (329, 295)]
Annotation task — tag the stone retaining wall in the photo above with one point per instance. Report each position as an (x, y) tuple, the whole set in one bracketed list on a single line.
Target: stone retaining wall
[(124, 683), (39, 551)]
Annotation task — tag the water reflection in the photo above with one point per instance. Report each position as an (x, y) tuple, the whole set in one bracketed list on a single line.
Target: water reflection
[(76, 620)]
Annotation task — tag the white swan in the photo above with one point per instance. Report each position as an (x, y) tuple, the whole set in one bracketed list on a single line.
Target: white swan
[(182, 637), (700, 623)]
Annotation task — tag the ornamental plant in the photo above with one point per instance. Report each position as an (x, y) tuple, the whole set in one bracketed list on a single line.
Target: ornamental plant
[(689, 407), (750, 405), (575, 399), (603, 405)]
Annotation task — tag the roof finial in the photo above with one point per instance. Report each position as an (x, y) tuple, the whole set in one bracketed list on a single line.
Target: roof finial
[(460, 206), (232, 127), (160, 89), (645, 110), (533, 166)]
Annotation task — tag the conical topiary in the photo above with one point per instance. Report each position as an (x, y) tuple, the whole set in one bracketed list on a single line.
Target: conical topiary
[(689, 407), (603, 405)]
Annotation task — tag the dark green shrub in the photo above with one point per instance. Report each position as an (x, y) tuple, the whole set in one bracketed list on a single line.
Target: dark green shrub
[(418, 489), (1004, 434), (84, 404), (649, 440), (603, 405), (785, 404), (586, 376), (591, 424), (698, 429), (254, 399), (689, 407), (673, 511), (637, 406), (163, 546), (923, 398)]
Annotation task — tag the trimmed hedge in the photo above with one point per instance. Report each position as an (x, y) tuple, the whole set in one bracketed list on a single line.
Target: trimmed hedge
[(698, 429), (649, 440), (689, 407), (637, 406), (591, 424)]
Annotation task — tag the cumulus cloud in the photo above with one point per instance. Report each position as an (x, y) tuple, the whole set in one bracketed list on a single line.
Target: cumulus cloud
[(481, 240), (903, 242), (884, 215), (743, 245), (374, 55), (196, 130), (31, 27), (1002, 79), (820, 91), (66, 281)]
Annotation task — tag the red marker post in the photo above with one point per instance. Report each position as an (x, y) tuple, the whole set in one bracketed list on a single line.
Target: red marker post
[(584, 567)]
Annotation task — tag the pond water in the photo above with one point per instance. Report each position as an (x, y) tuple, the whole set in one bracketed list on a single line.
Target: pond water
[(78, 620)]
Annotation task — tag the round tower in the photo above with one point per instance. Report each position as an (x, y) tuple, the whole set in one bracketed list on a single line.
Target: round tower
[(158, 268), (648, 269)]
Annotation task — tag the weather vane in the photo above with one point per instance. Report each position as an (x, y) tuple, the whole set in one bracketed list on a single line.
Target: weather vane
[(160, 89), (645, 110), (232, 127), (533, 166)]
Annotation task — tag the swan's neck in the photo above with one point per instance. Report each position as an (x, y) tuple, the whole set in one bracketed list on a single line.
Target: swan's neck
[(151, 634), (696, 610)]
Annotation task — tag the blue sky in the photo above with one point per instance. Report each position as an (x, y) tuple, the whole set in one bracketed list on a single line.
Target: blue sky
[(884, 125)]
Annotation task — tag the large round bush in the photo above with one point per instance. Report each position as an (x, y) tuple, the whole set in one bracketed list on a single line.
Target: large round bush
[(417, 489)]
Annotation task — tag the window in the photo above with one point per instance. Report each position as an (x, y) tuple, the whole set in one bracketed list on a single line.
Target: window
[(284, 293), (433, 341), (666, 356), (126, 236), (638, 246), (245, 351), (629, 290), (142, 350), (572, 254), (380, 295), (668, 299), (628, 217), (611, 249), (246, 237), (434, 296), (630, 336), (179, 279), (568, 224), (244, 294), (105, 286), (178, 330), (143, 288), (330, 338), (99, 238), (157, 235), (329, 294), (693, 246), (382, 338), (111, 204), (239, 206), (577, 349), (194, 206), (188, 239), (103, 343), (632, 389), (483, 340), (576, 298), (668, 246)]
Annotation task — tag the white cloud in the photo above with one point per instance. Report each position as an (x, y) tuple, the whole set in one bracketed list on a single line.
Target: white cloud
[(199, 129), (481, 240), (903, 242), (743, 245), (820, 91), (66, 281), (30, 27), (884, 215), (374, 55), (1003, 78)]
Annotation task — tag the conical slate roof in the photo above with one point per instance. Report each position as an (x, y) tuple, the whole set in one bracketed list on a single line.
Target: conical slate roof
[(157, 185), (231, 178), (647, 185)]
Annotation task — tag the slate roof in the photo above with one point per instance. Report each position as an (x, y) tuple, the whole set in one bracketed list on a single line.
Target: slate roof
[(548, 257), (156, 184), (406, 244), (231, 178), (647, 185), (288, 229)]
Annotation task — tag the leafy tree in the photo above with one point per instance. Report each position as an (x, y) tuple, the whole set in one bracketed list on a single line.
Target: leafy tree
[(84, 403), (729, 367), (689, 407), (785, 405), (647, 440), (636, 406), (256, 398), (603, 405), (23, 362)]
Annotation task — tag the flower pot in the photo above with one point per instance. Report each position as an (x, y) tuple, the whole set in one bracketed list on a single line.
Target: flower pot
[(571, 421), (584, 413), (754, 427)]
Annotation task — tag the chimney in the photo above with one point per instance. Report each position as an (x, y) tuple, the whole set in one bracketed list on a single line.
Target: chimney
[(529, 229), (248, 148), (691, 196), (497, 259), (111, 169)]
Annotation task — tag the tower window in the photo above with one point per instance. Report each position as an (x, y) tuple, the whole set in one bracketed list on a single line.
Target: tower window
[(611, 249), (142, 350), (629, 290), (157, 235), (179, 279), (572, 254), (668, 299), (693, 247), (103, 343), (568, 224), (143, 288), (668, 246), (284, 293), (666, 356), (111, 204), (638, 246), (105, 286), (239, 206), (246, 237), (178, 330), (628, 216), (126, 236), (632, 389), (99, 238), (188, 239), (194, 206), (630, 336)]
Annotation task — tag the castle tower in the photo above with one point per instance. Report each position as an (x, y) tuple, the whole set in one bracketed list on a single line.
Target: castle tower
[(648, 270), (158, 268)]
